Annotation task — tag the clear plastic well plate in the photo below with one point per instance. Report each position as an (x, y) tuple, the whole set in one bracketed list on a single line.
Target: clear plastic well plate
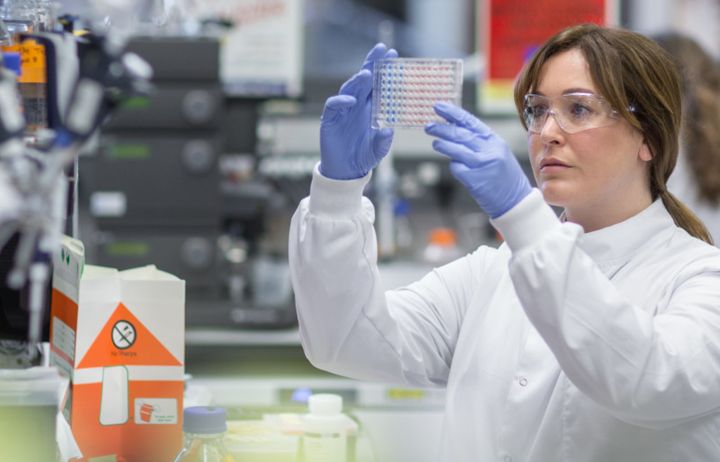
[(405, 90)]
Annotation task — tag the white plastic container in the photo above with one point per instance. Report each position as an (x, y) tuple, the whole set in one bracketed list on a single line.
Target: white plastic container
[(442, 247), (325, 430)]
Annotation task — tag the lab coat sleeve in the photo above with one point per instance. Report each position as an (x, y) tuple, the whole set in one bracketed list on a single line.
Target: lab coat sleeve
[(348, 324), (648, 369)]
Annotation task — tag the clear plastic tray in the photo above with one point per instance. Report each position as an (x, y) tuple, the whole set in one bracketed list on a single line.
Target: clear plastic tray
[(405, 90)]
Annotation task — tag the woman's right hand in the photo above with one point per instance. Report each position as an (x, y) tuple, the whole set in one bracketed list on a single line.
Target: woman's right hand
[(349, 146)]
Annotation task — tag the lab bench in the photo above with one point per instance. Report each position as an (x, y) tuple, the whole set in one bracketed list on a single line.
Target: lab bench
[(253, 380)]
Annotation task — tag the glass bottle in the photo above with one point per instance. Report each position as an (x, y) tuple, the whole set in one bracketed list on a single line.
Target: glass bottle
[(203, 430)]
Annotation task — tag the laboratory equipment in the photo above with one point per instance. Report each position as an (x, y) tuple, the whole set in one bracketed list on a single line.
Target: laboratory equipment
[(204, 429), (35, 206), (406, 89), (106, 76), (150, 192), (442, 247), (22, 19), (205, 219)]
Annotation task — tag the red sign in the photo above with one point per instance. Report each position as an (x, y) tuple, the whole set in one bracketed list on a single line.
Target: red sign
[(511, 30)]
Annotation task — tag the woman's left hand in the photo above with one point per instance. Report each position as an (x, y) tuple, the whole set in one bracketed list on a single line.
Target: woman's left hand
[(480, 159)]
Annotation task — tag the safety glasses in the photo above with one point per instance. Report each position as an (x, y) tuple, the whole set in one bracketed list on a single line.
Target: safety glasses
[(573, 112)]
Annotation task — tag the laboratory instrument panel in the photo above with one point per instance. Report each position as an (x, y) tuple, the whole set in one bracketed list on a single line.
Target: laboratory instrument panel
[(172, 183)]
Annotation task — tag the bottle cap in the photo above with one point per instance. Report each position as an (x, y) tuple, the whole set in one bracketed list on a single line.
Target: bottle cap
[(204, 420), (444, 237), (11, 61), (325, 404), (402, 207)]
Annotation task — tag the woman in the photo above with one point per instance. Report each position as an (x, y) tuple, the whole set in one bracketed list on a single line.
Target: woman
[(696, 179), (595, 339)]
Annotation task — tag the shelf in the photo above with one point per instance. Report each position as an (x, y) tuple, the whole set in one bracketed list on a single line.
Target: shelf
[(289, 137), (212, 337)]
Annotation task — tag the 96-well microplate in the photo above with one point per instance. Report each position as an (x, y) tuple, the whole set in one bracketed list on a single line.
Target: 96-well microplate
[(405, 90)]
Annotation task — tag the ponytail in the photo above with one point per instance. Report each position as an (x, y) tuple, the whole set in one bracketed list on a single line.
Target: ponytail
[(684, 217)]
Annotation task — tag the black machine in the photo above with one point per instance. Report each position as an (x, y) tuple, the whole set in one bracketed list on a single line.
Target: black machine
[(173, 183)]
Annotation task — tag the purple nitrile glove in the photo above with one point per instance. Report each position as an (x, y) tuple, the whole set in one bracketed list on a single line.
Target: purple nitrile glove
[(480, 159), (349, 146)]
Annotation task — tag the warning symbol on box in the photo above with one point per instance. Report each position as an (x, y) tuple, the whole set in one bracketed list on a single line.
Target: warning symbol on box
[(123, 335), (125, 330)]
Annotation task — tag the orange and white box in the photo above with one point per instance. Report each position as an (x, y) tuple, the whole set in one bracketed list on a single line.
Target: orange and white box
[(120, 337)]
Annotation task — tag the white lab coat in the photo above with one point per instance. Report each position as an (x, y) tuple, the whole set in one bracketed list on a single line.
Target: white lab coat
[(559, 346)]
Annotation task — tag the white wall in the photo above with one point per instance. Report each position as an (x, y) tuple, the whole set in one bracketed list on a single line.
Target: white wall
[(700, 19)]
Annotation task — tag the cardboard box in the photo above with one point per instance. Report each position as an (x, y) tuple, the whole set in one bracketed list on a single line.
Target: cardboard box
[(119, 335)]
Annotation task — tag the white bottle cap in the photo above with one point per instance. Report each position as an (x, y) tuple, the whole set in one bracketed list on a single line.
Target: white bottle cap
[(325, 404)]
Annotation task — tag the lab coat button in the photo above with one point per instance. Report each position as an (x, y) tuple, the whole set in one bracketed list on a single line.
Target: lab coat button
[(523, 381), (507, 458)]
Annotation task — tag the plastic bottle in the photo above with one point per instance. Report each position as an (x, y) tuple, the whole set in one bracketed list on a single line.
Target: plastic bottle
[(204, 429), (442, 247), (325, 430)]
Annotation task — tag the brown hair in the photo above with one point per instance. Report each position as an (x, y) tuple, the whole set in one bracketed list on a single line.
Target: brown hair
[(701, 122), (630, 71)]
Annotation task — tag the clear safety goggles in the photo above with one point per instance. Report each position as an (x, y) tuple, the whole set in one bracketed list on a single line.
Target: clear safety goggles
[(573, 112)]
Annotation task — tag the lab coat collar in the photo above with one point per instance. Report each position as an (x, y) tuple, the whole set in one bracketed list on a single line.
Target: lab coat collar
[(620, 241)]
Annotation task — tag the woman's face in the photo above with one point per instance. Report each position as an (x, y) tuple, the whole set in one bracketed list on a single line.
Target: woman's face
[(591, 169)]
